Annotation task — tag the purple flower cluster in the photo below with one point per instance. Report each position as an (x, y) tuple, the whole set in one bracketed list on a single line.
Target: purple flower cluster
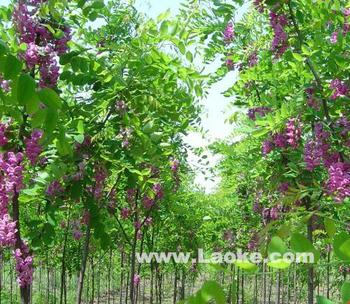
[(175, 166), (338, 183), (311, 100), (267, 147), (283, 187), (125, 213), (271, 214), (253, 59), (262, 111), (229, 32), (280, 140), (121, 107), (316, 149), (312, 155), (148, 202), (344, 124), (339, 88), (8, 231), (136, 279), (24, 265), (55, 188), (42, 46), (125, 135), (100, 178), (230, 64), (334, 37), (259, 5), (3, 137), (293, 132), (280, 40), (33, 148), (5, 85), (346, 28), (158, 190), (253, 242)]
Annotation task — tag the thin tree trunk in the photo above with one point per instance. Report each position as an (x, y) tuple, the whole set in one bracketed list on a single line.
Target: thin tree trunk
[(25, 291), (310, 279), (63, 291), (83, 264), (175, 287)]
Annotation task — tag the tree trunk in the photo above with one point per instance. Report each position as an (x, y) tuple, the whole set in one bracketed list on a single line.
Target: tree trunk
[(25, 291), (83, 264), (310, 279)]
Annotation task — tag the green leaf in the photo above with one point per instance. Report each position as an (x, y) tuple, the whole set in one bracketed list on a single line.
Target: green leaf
[(26, 94), (80, 127), (279, 264), (277, 245), (12, 67), (50, 98), (213, 290), (300, 244), (62, 144), (340, 243), (38, 118), (245, 265), (345, 292), (189, 56), (323, 300), (164, 28), (50, 123), (330, 227), (298, 57)]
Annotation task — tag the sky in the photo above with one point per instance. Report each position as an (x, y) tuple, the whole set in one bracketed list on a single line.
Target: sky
[(213, 118)]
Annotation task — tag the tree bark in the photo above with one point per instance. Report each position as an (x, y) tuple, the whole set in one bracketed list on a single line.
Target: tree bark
[(83, 264)]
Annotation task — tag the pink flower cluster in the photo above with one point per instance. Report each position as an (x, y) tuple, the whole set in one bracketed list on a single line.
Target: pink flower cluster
[(8, 231), (293, 132), (346, 28), (42, 46), (290, 137), (338, 183), (24, 265), (136, 279), (11, 182), (33, 148), (229, 32), (280, 40)]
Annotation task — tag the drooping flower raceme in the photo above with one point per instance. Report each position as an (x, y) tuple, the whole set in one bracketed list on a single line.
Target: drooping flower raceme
[(7, 231), (293, 132), (55, 188), (33, 148), (280, 40), (3, 137), (339, 88), (229, 32), (24, 265), (262, 111), (338, 184), (267, 147)]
